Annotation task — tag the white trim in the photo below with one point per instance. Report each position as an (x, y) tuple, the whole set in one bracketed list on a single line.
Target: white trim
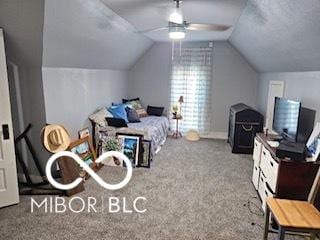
[(18, 99), (270, 102), (216, 135)]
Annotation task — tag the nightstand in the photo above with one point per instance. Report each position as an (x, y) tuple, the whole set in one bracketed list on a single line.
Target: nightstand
[(177, 133)]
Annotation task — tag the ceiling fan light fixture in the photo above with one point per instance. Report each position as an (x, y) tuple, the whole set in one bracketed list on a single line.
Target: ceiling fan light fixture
[(176, 17), (177, 33)]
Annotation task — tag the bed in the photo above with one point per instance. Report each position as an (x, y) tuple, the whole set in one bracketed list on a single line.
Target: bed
[(155, 129), (152, 128)]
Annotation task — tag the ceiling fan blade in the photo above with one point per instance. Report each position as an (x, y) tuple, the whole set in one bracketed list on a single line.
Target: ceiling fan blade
[(207, 27), (153, 30)]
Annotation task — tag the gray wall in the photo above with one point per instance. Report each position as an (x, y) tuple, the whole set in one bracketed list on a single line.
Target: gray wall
[(149, 79), (300, 86), (22, 22), (234, 80), (72, 94)]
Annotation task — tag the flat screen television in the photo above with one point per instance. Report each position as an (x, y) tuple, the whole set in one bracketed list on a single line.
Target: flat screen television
[(306, 124), (286, 118)]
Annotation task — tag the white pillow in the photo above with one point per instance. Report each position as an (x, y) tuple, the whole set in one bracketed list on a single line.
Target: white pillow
[(99, 117)]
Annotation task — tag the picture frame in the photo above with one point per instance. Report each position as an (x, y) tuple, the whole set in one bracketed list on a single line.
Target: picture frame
[(145, 158), (131, 147), (84, 133), (111, 143), (313, 144), (84, 149)]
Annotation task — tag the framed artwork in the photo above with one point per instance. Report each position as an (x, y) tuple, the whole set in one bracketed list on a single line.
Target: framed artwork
[(84, 133), (145, 158), (84, 149), (111, 143), (104, 137), (313, 144), (131, 146)]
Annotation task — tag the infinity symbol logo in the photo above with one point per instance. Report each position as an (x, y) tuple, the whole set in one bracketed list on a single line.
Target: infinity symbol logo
[(76, 182)]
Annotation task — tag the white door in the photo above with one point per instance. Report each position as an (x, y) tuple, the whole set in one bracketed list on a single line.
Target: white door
[(276, 89), (8, 173)]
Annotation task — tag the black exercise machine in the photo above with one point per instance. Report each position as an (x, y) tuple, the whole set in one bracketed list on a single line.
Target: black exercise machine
[(30, 187)]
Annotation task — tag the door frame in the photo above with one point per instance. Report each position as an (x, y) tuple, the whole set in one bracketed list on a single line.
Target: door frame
[(17, 87), (9, 192), (269, 119)]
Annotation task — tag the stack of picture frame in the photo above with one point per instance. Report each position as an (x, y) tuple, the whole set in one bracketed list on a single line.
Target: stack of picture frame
[(137, 149)]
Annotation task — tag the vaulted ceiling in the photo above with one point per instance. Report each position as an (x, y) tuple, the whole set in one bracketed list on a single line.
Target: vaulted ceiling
[(87, 34), (280, 35), (273, 35), (148, 14)]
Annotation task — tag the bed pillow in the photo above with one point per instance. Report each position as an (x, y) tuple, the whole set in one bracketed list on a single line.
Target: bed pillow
[(129, 100), (132, 114), (99, 117), (135, 104), (116, 122), (155, 111), (119, 111)]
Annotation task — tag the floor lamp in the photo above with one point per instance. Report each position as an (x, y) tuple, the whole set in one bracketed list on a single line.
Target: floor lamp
[(181, 101)]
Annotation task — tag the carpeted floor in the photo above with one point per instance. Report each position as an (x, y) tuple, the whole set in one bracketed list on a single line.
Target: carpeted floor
[(194, 191)]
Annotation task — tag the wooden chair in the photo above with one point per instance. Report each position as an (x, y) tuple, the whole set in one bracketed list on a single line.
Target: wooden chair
[(294, 216)]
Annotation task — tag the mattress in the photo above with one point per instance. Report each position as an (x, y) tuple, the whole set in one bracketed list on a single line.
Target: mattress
[(156, 129)]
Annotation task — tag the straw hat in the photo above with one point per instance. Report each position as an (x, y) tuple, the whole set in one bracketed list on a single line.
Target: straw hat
[(192, 135), (55, 138)]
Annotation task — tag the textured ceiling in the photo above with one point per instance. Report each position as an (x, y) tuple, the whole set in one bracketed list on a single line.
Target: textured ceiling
[(87, 34), (273, 35), (280, 35), (147, 14)]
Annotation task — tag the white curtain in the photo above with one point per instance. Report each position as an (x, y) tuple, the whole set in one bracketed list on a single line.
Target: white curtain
[(191, 78)]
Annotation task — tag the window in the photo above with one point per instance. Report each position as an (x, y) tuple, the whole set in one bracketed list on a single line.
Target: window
[(191, 78)]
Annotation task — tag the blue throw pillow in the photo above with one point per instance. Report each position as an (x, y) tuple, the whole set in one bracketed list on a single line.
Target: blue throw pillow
[(119, 111), (132, 115)]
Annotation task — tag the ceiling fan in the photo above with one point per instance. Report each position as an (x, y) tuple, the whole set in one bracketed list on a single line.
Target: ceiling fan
[(178, 27)]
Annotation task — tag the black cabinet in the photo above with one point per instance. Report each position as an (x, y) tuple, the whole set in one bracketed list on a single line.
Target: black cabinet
[(244, 123)]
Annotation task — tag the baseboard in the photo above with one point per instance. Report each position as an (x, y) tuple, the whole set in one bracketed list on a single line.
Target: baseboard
[(215, 135)]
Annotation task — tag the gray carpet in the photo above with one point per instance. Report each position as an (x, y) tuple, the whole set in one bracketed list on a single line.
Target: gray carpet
[(194, 191)]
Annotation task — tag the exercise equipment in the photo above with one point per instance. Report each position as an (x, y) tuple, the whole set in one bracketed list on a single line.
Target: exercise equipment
[(29, 187)]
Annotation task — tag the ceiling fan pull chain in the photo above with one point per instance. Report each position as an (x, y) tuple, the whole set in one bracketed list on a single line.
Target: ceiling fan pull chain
[(180, 48), (172, 54)]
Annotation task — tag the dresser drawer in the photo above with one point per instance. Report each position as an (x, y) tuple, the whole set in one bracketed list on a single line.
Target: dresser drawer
[(269, 167), (262, 185), (267, 193), (257, 152), (255, 176), (265, 157), (272, 173)]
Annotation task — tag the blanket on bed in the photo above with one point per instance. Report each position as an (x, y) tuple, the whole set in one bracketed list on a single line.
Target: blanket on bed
[(156, 129), (152, 128)]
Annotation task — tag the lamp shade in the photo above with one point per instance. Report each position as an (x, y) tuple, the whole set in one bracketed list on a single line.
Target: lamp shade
[(181, 99), (177, 32)]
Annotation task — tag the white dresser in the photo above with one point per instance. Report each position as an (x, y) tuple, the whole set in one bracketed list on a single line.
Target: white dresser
[(278, 177), (265, 171)]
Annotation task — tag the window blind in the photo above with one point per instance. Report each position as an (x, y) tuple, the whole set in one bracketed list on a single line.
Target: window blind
[(191, 77)]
